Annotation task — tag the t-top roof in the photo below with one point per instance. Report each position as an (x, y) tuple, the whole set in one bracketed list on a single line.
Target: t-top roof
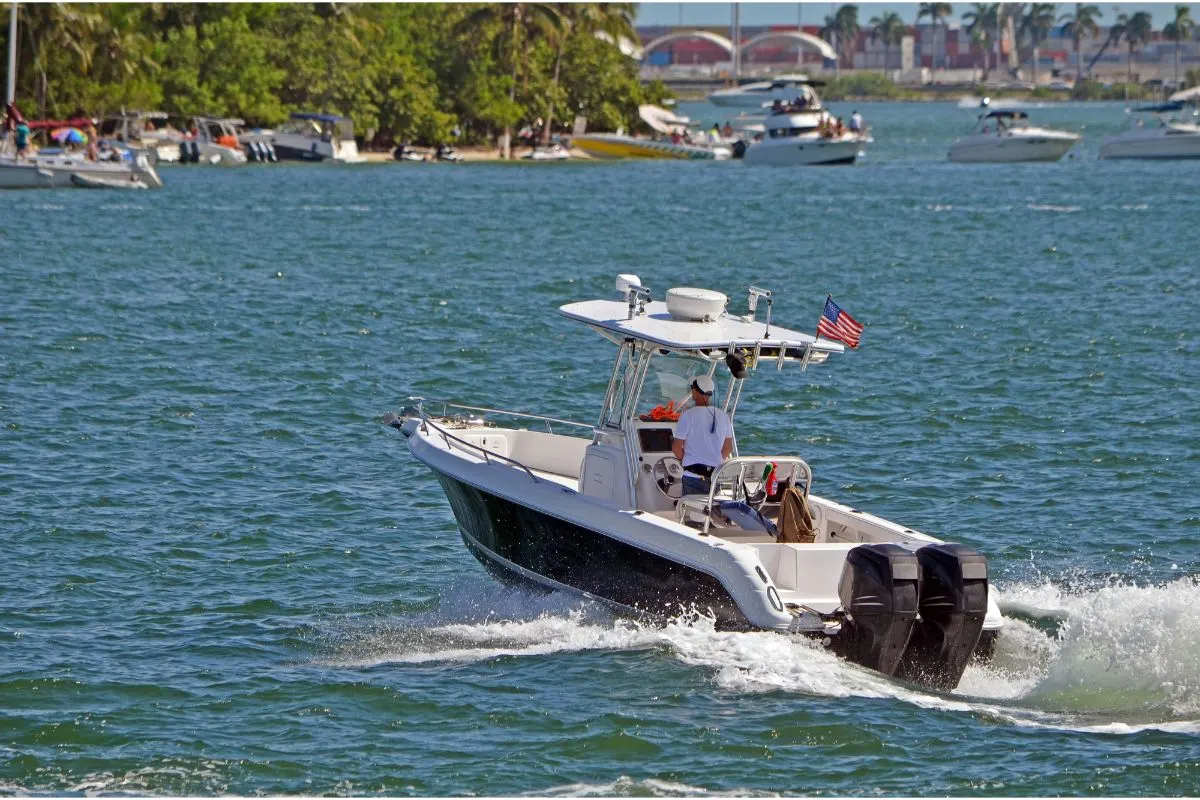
[(317, 117), (1006, 115), (610, 317)]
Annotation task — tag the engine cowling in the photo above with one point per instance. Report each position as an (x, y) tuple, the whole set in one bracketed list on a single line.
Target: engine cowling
[(879, 591)]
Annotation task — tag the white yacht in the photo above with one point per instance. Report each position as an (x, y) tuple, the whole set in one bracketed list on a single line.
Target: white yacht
[(213, 140), (599, 511), (64, 170), (1007, 136), (801, 133), (316, 137), (1155, 132), (760, 93), (144, 130)]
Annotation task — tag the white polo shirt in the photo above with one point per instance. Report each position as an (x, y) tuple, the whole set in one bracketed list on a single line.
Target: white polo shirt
[(702, 444)]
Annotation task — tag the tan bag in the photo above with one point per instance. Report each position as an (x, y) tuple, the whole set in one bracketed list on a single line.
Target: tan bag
[(795, 519)]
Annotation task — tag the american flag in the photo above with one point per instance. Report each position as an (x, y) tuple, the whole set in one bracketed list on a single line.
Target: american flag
[(838, 325)]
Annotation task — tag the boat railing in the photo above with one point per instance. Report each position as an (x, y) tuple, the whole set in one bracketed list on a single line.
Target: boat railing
[(549, 421), (734, 472), (452, 440)]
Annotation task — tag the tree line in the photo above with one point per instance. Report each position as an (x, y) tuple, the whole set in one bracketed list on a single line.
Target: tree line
[(1030, 24), (402, 72)]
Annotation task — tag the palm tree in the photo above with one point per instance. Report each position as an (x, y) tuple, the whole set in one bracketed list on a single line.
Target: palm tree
[(1138, 30), (1115, 34), (615, 20), (1179, 28), (520, 22), (1082, 21), (935, 12), (982, 20), (842, 30), (1037, 24), (890, 30)]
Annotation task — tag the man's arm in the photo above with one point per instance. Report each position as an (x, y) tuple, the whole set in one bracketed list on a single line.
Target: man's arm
[(727, 448), (677, 448)]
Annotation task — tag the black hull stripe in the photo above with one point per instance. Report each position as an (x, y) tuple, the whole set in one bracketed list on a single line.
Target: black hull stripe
[(590, 562)]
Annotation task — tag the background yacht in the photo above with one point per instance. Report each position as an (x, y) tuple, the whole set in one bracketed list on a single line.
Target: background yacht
[(799, 133), (760, 93), (1007, 136), (60, 170), (315, 137), (1153, 132)]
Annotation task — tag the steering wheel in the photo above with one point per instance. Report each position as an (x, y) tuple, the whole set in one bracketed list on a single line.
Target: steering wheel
[(668, 477)]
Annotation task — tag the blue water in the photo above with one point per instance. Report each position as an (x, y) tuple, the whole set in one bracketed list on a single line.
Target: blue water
[(223, 574)]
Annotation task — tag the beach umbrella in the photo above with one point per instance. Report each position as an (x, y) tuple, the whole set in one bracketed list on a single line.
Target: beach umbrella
[(68, 136)]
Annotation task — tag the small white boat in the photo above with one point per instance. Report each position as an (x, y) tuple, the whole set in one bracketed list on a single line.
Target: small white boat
[(63, 169), (602, 512), (213, 140), (760, 93), (1007, 136), (801, 134), (555, 152), (1154, 132), (316, 137), (92, 182), (144, 130)]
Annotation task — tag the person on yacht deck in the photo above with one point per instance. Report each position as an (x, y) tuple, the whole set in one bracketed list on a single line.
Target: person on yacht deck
[(703, 437)]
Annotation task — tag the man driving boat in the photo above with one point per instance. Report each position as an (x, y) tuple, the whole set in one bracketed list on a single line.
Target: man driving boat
[(703, 437)]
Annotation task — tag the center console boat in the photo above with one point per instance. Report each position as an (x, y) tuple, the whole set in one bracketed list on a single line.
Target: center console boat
[(600, 510)]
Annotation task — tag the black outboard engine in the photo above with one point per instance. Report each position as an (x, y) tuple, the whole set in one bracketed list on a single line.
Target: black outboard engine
[(954, 598), (739, 148), (879, 594)]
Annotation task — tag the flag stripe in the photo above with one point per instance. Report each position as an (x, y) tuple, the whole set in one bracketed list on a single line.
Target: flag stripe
[(838, 325)]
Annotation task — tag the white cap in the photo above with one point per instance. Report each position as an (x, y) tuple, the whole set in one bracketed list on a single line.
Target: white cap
[(704, 384)]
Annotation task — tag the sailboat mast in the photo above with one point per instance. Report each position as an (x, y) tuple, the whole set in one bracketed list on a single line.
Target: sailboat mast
[(12, 56)]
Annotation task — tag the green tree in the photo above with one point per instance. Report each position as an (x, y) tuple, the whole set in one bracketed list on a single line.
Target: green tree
[(1138, 30), (890, 30), (982, 21), (1037, 23), (1177, 29), (841, 30), (519, 23), (937, 12), (1082, 20)]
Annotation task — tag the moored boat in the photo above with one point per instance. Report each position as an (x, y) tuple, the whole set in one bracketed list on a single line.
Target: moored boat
[(1156, 132), (672, 138), (801, 132), (1006, 136), (604, 513)]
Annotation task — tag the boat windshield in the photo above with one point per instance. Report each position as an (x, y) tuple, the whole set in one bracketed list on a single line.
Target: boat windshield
[(666, 389)]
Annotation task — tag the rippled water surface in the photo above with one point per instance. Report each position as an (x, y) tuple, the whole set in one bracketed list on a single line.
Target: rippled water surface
[(223, 574)]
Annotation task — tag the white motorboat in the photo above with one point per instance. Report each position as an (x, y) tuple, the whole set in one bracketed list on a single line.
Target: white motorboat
[(144, 130), (600, 512), (1007, 136), (553, 152), (62, 170), (760, 93), (213, 140), (1155, 132), (803, 133), (316, 137)]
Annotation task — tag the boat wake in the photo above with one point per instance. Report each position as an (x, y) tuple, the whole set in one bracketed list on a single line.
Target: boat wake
[(1115, 658)]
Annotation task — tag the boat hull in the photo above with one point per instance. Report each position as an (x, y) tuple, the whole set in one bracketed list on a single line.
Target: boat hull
[(521, 544), (57, 172), (1152, 146), (799, 151), (605, 145), (1005, 150)]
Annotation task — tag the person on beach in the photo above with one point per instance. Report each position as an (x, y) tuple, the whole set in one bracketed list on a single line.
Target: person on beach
[(703, 438)]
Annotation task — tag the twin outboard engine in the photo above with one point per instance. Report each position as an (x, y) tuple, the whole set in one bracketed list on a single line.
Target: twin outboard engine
[(879, 590), (884, 587), (954, 599)]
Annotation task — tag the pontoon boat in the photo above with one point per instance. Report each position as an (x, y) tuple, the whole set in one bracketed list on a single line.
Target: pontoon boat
[(600, 511)]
